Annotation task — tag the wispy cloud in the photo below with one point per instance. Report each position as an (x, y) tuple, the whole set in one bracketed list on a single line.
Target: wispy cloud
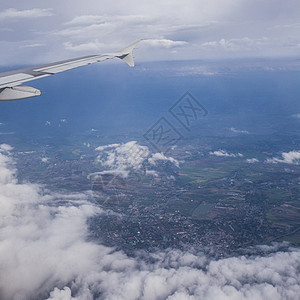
[(6, 30), (15, 14), (33, 45), (237, 44), (88, 47), (101, 19), (297, 116), (252, 160)]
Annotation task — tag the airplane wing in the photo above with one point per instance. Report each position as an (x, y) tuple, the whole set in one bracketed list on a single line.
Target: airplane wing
[(11, 83)]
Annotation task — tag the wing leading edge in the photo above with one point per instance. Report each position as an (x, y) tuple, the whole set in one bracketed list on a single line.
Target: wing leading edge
[(11, 83)]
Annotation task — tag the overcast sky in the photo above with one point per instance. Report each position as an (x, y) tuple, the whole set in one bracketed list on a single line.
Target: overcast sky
[(37, 31)]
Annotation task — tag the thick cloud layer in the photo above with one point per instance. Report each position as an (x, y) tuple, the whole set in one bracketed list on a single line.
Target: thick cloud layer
[(42, 236), (44, 252)]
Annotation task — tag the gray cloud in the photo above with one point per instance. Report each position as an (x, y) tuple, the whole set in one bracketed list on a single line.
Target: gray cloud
[(199, 29)]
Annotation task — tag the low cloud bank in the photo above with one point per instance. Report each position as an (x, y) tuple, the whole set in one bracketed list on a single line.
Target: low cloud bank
[(45, 253)]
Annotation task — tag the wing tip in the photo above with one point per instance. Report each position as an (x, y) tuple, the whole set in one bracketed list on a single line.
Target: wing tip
[(126, 54)]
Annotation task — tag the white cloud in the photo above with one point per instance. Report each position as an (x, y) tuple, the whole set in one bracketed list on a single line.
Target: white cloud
[(165, 43), (101, 148), (38, 238), (5, 148), (252, 160), (45, 253), (14, 14), (183, 275), (157, 157), (123, 157), (224, 153), (292, 157), (64, 294), (126, 157), (115, 172), (45, 159), (239, 131), (152, 173)]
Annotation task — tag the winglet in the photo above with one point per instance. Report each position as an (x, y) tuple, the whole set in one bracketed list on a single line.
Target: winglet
[(126, 53)]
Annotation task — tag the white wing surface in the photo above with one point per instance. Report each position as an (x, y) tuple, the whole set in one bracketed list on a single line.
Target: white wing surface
[(11, 83)]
